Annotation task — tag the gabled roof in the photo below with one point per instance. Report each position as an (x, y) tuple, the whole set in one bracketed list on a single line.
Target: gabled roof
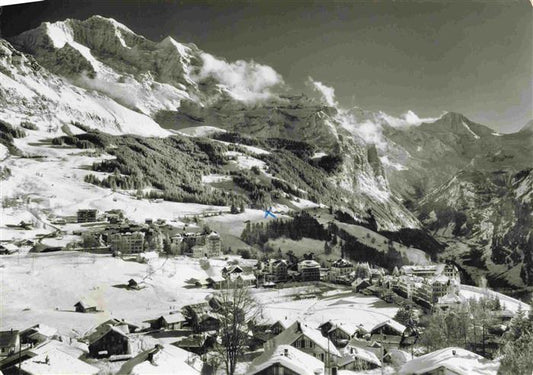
[(456, 360), (216, 279), (398, 327), (349, 329), (173, 318), (285, 323), (289, 357), (104, 331), (86, 303), (163, 359), (56, 362), (41, 329), (296, 330), (248, 277), (233, 269)]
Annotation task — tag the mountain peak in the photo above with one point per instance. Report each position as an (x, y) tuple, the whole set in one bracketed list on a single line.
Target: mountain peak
[(454, 117)]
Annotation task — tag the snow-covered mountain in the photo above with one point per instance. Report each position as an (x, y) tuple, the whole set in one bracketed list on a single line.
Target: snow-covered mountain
[(99, 74), (469, 183)]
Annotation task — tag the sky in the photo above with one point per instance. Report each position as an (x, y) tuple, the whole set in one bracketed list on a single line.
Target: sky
[(469, 56)]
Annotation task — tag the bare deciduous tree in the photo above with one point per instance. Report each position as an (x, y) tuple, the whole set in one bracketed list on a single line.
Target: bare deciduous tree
[(238, 308)]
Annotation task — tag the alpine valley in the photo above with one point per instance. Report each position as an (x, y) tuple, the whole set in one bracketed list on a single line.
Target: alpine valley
[(95, 115)]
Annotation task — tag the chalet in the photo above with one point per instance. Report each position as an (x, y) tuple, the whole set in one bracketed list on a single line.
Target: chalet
[(171, 321), (242, 281), (197, 344), (360, 284), (452, 360), (56, 362), (209, 322), (37, 334), (340, 334), (163, 359), (358, 359), (340, 270), (9, 342), (216, 282), (108, 342), (8, 249), (86, 215), (308, 340), (390, 329), (309, 270), (98, 331), (85, 306), (231, 270), (201, 317), (285, 359), (280, 326)]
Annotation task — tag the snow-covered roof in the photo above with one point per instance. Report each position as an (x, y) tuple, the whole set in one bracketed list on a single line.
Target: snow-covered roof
[(56, 362), (289, 357), (351, 353), (451, 298), (391, 323), (75, 349), (398, 356), (43, 330), (308, 264), (285, 323), (296, 330), (456, 360), (163, 359), (341, 263), (250, 277), (104, 331), (11, 248), (216, 279), (174, 318)]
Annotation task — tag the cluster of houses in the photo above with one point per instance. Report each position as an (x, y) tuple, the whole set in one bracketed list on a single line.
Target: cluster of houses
[(299, 347), (41, 350)]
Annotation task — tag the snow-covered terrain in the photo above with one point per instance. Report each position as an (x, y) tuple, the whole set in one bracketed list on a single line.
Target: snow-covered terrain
[(43, 288)]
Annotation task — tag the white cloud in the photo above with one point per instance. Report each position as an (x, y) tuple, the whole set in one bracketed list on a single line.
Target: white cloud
[(409, 118), (245, 81), (328, 93)]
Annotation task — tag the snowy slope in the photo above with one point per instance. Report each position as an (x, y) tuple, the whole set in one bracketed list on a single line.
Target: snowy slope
[(29, 93)]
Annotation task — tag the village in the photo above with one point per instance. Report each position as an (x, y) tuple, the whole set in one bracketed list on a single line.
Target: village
[(308, 318)]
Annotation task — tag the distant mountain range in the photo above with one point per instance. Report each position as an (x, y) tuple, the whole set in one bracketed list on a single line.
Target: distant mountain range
[(449, 175)]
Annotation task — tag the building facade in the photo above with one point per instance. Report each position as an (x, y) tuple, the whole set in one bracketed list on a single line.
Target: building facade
[(127, 243), (86, 216)]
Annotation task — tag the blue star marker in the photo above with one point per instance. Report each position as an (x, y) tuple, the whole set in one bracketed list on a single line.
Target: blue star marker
[(269, 213)]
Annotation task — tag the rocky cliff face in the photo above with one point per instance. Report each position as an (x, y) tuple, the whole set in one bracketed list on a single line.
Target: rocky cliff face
[(467, 182)]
